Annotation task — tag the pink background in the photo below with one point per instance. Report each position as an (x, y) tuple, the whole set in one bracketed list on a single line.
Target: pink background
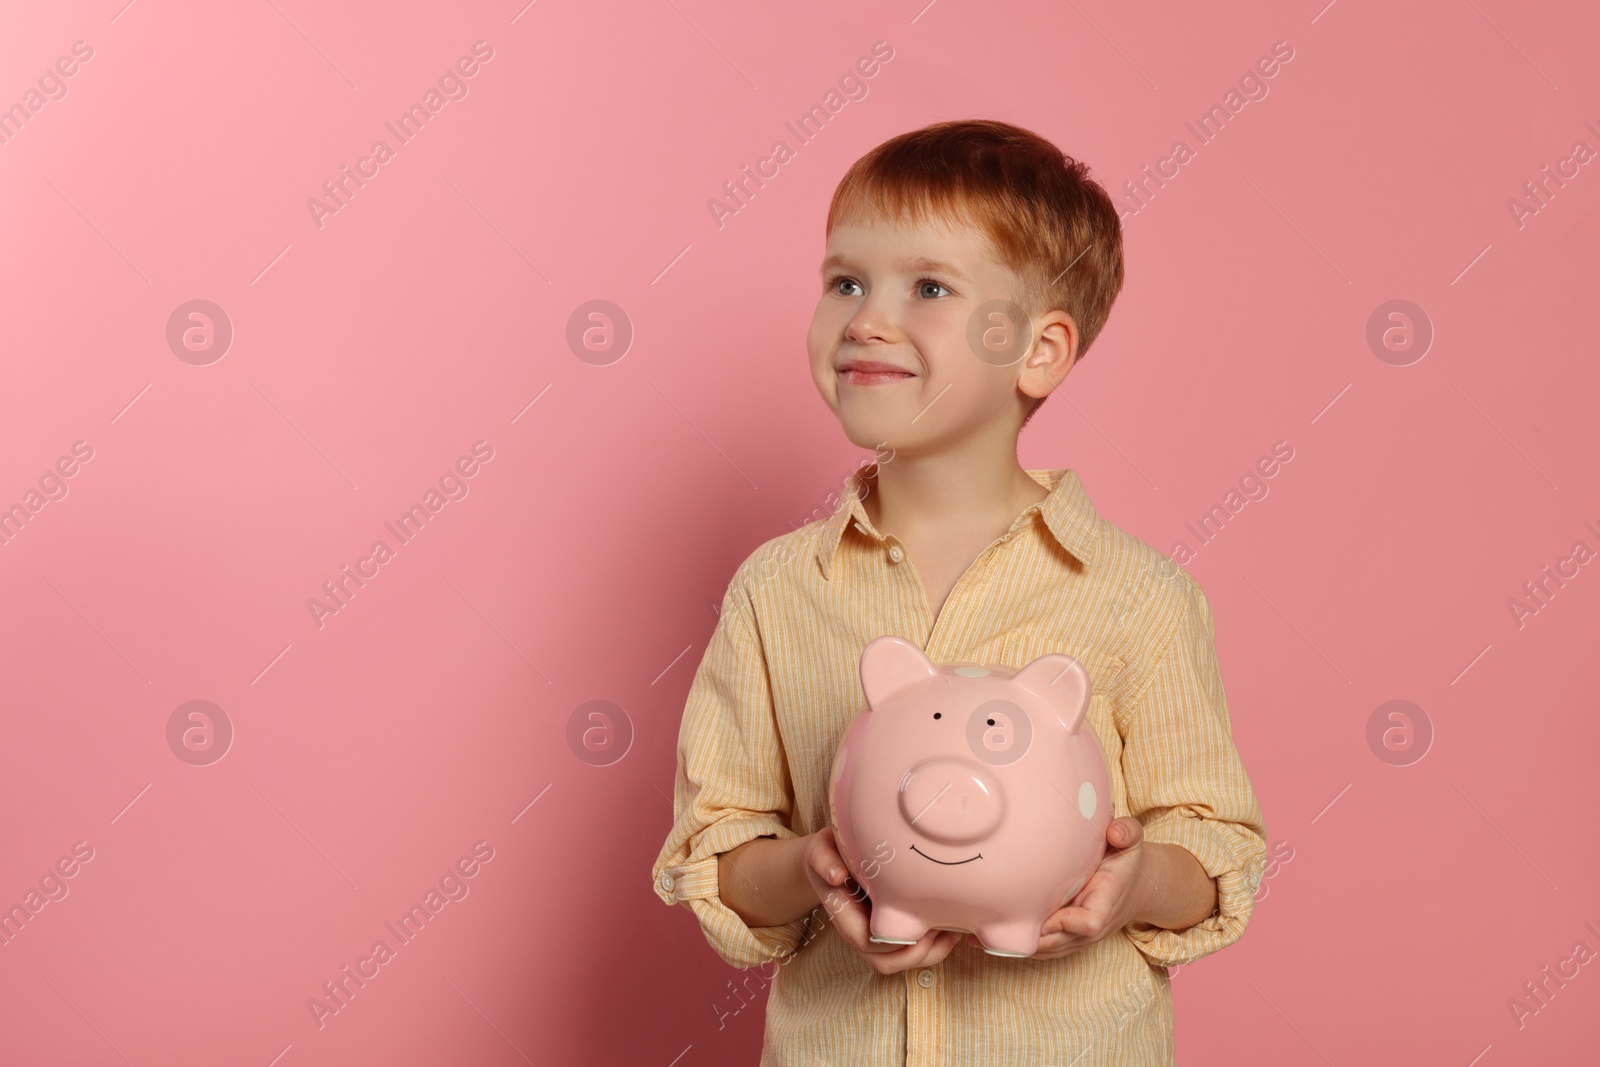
[(589, 555)]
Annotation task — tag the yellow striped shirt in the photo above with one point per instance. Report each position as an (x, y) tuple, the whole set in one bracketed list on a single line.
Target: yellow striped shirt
[(778, 686)]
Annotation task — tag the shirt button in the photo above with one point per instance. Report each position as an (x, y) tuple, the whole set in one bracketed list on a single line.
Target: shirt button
[(666, 882), (925, 978), (897, 554)]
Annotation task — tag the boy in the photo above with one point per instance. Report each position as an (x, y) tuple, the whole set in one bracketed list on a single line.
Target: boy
[(968, 267)]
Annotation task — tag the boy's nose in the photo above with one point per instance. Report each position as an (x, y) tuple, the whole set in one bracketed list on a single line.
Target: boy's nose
[(952, 801)]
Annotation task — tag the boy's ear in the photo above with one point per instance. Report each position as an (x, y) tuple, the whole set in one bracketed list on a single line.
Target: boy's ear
[(891, 665), (1054, 352)]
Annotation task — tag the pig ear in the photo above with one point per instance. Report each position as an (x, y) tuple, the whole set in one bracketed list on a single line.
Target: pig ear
[(1060, 680), (890, 665)]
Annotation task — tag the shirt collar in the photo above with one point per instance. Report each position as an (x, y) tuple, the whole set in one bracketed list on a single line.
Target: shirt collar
[(1067, 514)]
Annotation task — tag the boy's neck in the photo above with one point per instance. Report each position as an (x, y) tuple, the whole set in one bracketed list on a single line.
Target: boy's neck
[(922, 497)]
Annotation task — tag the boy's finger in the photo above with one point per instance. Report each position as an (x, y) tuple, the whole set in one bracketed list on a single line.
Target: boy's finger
[(860, 937), (852, 919), (827, 865), (829, 868), (1124, 832), (934, 946), (1068, 921), (905, 957), (942, 946)]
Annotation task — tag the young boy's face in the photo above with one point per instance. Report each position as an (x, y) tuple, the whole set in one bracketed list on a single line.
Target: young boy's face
[(904, 295)]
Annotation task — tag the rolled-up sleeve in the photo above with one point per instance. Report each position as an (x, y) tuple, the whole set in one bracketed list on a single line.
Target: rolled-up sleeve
[(732, 785), (1188, 787)]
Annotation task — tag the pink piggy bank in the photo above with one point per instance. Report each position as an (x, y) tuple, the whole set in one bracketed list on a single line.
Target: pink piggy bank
[(969, 797)]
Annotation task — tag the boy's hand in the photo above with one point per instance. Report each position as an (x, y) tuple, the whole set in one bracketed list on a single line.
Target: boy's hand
[(1111, 898), (851, 911)]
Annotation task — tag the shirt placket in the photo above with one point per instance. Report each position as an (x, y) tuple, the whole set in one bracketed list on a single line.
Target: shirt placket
[(923, 1008), (924, 999), (944, 637)]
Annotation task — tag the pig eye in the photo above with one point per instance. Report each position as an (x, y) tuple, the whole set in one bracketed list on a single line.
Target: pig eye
[(937, 714), (991, 722)]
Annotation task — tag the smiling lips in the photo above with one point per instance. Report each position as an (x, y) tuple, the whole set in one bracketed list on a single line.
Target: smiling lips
[(872, 372)]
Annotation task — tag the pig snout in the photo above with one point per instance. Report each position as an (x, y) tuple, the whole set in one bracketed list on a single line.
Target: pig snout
[(951, 801)]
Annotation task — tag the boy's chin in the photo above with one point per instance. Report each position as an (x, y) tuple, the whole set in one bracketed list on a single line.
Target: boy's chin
[(871, 433)]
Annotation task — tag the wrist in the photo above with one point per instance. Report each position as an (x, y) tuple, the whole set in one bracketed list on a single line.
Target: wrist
[(1176, 892), (764, 881), (1146, 887)]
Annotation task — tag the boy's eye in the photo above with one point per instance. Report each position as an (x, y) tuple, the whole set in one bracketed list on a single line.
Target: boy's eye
[(835, 282)]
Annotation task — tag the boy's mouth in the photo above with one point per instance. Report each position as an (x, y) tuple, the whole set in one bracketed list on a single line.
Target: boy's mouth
[(871, 372)]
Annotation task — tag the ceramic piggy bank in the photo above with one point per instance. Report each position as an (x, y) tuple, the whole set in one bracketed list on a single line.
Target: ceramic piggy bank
[(969, 797)]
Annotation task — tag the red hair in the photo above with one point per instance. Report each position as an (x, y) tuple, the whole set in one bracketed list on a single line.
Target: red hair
[(1048, 221)]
